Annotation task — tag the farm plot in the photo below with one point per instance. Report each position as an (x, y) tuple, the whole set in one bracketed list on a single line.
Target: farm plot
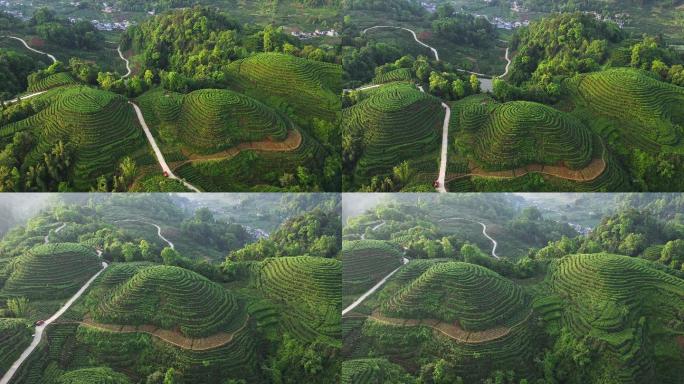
[(366, 262), (311, 287), (51, 271), (52, 81), (506, 136), (474, 296), (310, 87), (370, 371), (614, 298), (15, 335), (93, 375), (646, 111), (100, 126), (171, 298), (395, 123)]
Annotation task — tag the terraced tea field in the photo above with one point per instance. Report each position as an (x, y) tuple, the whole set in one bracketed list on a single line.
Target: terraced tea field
[(646, 111), (396, 122), (366, 262), (50, 271), (612, 298), (510, 135), (100, 126), (312, 286), (171, 298), (473, 296), (311, 87)]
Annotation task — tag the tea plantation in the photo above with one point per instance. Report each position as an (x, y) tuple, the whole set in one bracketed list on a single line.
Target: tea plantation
[(172, 298), (365, 262), (394, 123), (473, 296), (310, 87), (50, 271), (100, 127), (514, 134), (311, 286), (15, 335), (647, 113)]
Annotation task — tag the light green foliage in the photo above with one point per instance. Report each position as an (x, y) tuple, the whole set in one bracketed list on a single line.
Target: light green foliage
[(365, 262)]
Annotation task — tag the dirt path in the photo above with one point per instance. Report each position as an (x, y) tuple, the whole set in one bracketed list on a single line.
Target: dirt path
[(157, 151), (595, 169), (128, 67), (451, 330), (54, 59), (172, 337), (153, 224), (292, 142), (40, 329), (484, 232)]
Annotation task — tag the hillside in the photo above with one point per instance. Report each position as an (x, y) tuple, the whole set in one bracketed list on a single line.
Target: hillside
[(50, 271), (394, 123), (311, 286), (645, 113), (518, 133), (171, 298), (625, 306), (472, 296), (15, 335), (98, 128), (310, 87), (365, 262)]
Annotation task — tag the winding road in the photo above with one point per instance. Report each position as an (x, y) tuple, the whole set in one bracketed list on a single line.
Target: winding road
[(157, 152), (40, 329), (128, 67), (54, 59), (484, 232), (153, 224), (376, 286), (415, 37)]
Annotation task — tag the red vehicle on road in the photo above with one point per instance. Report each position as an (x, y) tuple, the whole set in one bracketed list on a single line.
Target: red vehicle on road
[(436, 184), (40, 322), (166, 174)]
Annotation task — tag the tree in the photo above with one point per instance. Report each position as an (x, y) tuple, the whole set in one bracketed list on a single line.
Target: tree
[(403, 173), (474, 83), (673, 254), (130, 252), (171, 377), (19, 306), (458, 89), (145, 250), (439, 84)]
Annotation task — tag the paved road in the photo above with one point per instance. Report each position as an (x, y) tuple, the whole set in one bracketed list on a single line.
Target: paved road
[(415, 37), (40, 329), (47, 237), (363, 235), (54, 60), (25, 97), (484, 232), (157, 151), (148, 223), (372, 290), (128, 68), (508, 62), (376, 286), (441, 188)]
